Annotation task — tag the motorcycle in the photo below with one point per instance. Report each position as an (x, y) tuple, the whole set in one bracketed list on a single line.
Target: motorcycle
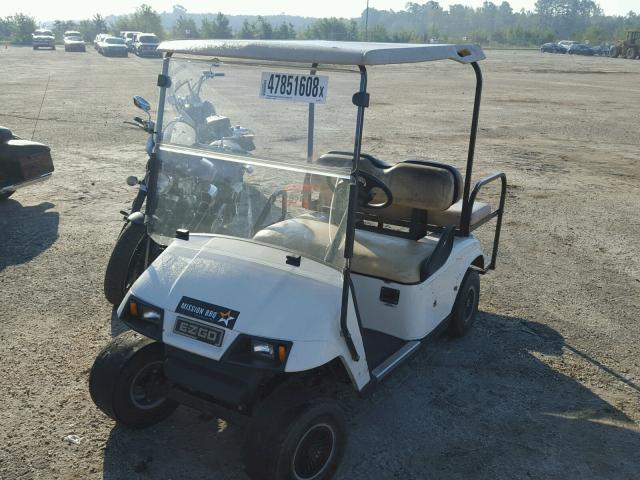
[(213, 194)]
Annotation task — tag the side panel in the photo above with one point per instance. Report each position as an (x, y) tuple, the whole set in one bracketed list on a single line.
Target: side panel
[(421, 307)]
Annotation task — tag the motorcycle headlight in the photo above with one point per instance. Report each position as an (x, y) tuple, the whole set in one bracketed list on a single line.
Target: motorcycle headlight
[(164, 183)]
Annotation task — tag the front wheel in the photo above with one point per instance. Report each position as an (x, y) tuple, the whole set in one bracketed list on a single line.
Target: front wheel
[(127, 381), (126, 262), (304, 443), (465, 307)]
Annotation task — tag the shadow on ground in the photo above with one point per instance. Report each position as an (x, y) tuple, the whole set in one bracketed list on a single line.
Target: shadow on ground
[(25, 232), (485, 406)]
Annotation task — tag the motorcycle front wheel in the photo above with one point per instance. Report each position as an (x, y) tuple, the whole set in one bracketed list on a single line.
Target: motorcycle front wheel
[(127, 262)]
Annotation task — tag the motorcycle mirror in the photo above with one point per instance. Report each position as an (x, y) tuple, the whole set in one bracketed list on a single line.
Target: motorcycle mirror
[(132, 181), (141, 103)]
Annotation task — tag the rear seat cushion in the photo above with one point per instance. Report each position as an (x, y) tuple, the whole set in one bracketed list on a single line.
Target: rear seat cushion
[(452, 215), (374, 254)]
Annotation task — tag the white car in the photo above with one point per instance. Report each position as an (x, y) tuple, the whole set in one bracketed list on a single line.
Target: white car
[(43, 38), (73, 42), (146, 45), (110, 46)]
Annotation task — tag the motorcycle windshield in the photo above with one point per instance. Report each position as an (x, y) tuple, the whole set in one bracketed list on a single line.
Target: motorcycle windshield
[(233, 162)]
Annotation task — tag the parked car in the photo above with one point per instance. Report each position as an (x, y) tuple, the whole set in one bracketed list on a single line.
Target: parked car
[(552, 48), (98, 39), (112, 47), (73, 42), (146, 44), (43, 39), (129, 38), (566, 43), (580, 49), (22, 162), (601, 50)]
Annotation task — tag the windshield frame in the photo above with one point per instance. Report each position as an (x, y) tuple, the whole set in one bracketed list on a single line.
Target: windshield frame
[(360, 100)]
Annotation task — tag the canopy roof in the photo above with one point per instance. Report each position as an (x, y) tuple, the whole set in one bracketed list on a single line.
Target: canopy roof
[(326, 52)]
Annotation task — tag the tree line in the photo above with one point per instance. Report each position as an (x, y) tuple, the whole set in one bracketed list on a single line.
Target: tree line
[(490, 24)]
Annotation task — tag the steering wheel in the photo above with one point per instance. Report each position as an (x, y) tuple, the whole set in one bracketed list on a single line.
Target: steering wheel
[(367, 184)]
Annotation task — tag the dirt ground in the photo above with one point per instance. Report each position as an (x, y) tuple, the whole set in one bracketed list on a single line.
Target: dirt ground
[(547, 384)]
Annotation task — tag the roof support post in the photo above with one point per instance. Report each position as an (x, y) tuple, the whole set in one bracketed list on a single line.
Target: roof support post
[(351, 221), (465, 227), (311, 122)]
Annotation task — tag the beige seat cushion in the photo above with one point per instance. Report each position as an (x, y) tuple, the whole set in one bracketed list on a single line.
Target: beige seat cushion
[(392, 258), (374, 254), (453, 214)]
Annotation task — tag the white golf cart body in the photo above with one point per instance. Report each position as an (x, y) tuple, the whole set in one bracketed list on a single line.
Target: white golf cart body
[(359, 285)]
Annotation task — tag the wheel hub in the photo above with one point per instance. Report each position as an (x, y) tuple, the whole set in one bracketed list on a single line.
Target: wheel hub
[(147, 388), (314, 452)]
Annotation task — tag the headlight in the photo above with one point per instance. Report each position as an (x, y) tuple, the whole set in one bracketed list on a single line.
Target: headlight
[(138, 311), (258, 352), (143, 318), (164, 183)]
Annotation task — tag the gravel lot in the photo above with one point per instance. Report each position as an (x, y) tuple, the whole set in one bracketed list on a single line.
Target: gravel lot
[(547, 385)]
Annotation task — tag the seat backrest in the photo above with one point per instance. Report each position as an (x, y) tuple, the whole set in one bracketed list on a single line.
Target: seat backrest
[(417, 186)]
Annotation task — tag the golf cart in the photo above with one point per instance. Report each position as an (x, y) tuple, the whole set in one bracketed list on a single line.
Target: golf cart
[(335, 267)]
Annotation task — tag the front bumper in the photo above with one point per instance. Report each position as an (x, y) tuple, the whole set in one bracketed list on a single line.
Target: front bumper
[(234, 387), (75, 47), (115, 53)]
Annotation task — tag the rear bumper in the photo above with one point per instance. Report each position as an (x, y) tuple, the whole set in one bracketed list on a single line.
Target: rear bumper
[(26, 183)]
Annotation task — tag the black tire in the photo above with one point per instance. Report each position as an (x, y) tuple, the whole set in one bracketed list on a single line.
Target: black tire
[(613, 52), (127, 382), (35, 48), (126, 262), (5, 195), (306, 442), (465, 307)]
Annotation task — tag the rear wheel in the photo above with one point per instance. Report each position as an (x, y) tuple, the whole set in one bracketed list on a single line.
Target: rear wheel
[(465, 307), (614, 52), (303, 443), (631, 54), (127, 381), (126, 262)]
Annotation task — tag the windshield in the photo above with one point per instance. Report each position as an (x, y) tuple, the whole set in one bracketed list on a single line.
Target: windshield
[(148, 39), (44, 33), (74, 38), (235, 163), (115, 41)]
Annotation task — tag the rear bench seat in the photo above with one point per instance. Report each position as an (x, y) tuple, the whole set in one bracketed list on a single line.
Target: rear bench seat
[(389, 175)]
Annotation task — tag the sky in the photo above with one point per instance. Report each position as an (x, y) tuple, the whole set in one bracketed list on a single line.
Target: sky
[(44, 10)]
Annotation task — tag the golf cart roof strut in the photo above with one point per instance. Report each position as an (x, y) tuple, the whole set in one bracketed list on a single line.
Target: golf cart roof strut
[(472, 146)]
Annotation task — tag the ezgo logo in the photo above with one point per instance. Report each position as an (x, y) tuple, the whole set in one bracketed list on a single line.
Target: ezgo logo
[(210, 335)]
